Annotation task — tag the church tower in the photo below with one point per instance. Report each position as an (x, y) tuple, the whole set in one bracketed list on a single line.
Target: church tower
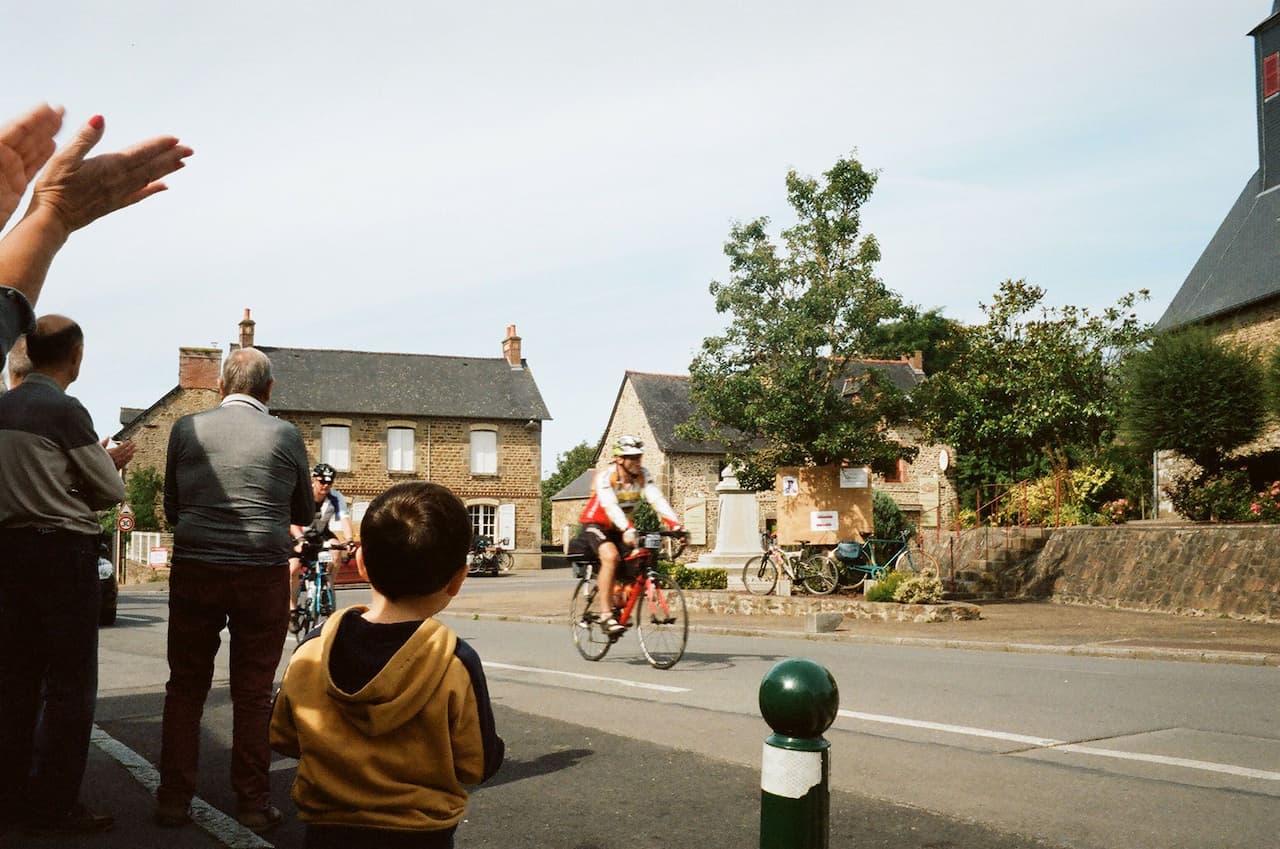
[(1266, 48)]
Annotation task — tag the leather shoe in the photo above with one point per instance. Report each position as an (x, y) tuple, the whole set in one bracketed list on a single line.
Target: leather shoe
[(261, 821), (79, 820), (173, 814)]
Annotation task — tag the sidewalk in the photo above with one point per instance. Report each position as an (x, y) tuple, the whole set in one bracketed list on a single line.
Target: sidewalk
[(1042, 627)]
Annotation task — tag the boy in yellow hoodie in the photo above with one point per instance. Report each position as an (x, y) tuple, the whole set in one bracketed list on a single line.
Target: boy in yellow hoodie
[(386, 709)]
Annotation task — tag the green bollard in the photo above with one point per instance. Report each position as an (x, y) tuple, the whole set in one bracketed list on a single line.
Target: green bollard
[(799, 700)]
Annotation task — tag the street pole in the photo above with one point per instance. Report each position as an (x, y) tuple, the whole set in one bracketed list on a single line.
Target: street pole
[(799, 700)]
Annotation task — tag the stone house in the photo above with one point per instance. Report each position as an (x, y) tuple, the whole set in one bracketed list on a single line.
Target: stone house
[(651, 406), (473, 424), (1234, 287)]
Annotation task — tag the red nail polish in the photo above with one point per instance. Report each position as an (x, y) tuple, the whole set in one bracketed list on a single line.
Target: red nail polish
[(96, 122)]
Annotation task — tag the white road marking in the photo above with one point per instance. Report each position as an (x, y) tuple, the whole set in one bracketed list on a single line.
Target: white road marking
[(1064, 746), (662, 688), (223, 828)]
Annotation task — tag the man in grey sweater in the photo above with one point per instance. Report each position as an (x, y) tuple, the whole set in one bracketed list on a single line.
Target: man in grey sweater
[(235, 479)]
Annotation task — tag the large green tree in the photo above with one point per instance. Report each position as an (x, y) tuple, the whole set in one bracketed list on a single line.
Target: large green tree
[(569, 465), (1035, 388), (774, 385), (1194, 394)]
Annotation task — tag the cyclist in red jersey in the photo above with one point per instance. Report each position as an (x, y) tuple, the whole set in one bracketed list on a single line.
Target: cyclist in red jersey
[(606, 520)]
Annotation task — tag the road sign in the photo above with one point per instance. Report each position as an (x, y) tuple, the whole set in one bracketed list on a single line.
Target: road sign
[(125, 522)]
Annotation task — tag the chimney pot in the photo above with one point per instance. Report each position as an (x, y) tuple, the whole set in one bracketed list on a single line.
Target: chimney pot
[(246, 330), (511, 347)]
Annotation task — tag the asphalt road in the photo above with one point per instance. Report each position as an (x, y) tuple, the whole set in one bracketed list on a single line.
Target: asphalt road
[(934, 748)]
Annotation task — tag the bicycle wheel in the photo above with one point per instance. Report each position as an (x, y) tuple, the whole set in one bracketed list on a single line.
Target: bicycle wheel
[(760, 575), (663, 622), (588, 634), (506, 562), (917, 561), (817, 574)]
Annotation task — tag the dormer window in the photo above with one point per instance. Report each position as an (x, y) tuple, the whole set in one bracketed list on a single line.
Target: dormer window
[(1270, 76)]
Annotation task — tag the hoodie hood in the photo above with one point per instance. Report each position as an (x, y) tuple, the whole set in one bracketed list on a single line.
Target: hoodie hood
[(409, 680)]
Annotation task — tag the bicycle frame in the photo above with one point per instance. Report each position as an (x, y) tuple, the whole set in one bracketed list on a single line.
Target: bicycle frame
[(662, 624)]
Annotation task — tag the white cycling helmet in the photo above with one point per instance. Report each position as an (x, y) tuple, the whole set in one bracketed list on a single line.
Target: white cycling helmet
[(628, 446)]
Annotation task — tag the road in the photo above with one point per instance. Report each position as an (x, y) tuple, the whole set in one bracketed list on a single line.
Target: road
[(931, 747)]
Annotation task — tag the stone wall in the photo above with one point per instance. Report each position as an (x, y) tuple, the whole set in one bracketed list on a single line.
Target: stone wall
[(1210, 570)]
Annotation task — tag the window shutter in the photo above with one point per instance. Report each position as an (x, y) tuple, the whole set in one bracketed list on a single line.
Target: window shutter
[(1271, 76), (507, 524)]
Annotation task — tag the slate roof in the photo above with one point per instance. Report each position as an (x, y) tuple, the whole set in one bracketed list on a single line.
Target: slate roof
[(901, 374), (324, 381), (579, 487), (666, 402), (1240, 266)]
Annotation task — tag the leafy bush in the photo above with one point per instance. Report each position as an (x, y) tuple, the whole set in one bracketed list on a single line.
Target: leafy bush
[(646, 519), (1222, 497), (1266, 505), (925, 588), (143, 490), (884, 588), (1194, 394), (695, 579), (887, 516)]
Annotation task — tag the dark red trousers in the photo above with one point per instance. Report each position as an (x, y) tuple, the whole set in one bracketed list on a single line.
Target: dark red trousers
[(252, 603)]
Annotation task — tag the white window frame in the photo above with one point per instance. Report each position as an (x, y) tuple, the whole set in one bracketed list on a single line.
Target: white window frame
[(400, 457), (484, 462), (484, 519), (335, 446)]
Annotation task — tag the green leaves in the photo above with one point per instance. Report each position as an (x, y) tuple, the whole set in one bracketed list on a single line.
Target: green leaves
[(1033, 387), (1196, 395), (800, 313)]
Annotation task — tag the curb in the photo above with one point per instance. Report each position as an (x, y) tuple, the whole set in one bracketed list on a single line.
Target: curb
[(1082, 650)]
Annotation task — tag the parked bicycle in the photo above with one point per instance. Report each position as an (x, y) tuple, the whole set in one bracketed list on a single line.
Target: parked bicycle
[(876, 557), (653, 602), (489, 558), (315, 601), (760, 574)]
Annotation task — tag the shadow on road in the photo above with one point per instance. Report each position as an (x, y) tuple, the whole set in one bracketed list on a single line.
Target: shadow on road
[(515, 770)]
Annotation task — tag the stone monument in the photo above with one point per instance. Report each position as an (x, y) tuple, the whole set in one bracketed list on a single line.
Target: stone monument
[(737, 529)]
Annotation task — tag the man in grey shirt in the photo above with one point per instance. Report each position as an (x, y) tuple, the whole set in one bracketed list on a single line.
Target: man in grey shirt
[(235, 479)]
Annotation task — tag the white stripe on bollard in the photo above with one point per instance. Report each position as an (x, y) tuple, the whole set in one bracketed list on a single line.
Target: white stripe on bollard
[(788, 773)]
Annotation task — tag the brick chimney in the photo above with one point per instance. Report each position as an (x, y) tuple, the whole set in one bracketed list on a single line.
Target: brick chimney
[(198, 368), (916, 358), (511, 347), (246, 330)]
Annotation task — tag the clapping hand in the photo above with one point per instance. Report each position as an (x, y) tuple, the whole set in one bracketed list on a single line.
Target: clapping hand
[(26, 144), (79, 190)]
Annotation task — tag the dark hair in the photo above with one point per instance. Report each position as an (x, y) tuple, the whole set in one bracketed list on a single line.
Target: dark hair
[(56, 348), (415, 537), (247, 371)]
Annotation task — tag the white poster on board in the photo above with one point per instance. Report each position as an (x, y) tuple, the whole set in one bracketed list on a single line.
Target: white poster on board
[(824, 520)]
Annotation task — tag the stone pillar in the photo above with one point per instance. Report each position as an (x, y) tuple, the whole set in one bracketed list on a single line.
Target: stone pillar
[(737, 529)]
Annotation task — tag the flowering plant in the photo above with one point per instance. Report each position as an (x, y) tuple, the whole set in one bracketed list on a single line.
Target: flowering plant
[(1266, 504), (1115, 512)]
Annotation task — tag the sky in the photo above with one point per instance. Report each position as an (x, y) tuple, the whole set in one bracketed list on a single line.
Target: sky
[(416, 176)]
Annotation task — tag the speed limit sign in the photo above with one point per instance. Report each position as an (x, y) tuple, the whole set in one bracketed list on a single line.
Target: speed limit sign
[(125, 522)]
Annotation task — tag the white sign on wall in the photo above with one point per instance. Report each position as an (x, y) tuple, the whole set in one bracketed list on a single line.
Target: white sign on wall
[(824, 520), (790, 486), (854, 477)]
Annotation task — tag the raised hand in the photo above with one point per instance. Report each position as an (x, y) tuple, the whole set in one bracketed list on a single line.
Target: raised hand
[(79, 190), (26, 143)]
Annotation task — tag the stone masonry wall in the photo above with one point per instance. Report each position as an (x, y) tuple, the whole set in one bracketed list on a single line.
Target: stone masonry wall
[(1211, 570)]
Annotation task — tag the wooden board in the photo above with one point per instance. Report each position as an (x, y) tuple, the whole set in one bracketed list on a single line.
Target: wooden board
[(823, 504)]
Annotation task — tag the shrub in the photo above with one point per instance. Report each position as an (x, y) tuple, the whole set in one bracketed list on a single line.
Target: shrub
[(145, 487), (885, 587), (1266, 504), (1222, 497), (695, 579), (887, 516), (919, 589)]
